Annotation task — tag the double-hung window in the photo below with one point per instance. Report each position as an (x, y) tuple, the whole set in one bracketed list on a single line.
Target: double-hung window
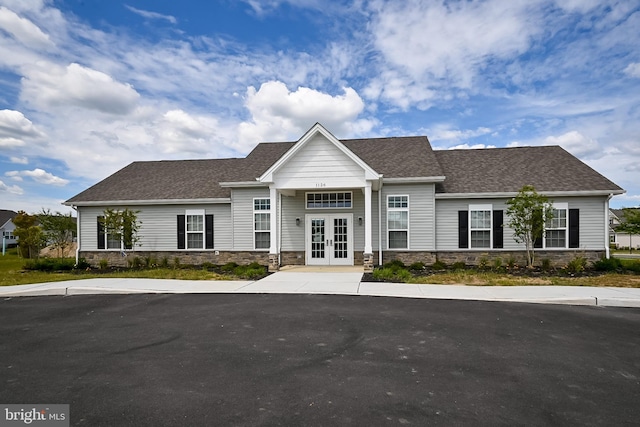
[(262, 223), (111, 239), (480, 226), (398, 222), (195, 229), (556, 228)]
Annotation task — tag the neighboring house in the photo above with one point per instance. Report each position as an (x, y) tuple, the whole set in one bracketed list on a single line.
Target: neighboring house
[(324, 201), (7, 227), (621, 240)]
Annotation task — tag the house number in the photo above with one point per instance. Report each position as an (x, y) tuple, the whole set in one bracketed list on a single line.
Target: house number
[(320, 184)]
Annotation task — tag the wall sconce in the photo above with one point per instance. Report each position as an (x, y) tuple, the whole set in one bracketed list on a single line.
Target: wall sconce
[(298, 222), (359, 220)]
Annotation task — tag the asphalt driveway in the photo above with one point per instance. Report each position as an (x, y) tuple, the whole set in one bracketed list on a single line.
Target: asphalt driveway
[(229, 359)]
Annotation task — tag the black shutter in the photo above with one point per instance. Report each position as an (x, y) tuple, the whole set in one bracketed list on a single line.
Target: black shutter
[(574, 228), (208, 231), (181, 232), (537, 218), (101, 239), (463, 229), (127, 238), (497, 230)]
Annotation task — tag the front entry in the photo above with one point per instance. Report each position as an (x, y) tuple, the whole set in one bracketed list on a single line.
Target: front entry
[(329, 239)]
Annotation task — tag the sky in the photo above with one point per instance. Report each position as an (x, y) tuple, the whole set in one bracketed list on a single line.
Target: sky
[(89, 86)]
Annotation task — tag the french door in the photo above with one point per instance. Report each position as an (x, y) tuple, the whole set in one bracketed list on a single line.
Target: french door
[(329, 239)]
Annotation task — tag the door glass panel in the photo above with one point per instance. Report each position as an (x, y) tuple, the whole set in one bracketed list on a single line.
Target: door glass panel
[(340, 238), (317, 238)]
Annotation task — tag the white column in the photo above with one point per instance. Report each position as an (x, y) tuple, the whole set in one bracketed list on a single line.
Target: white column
[(273, 196), (368, 219)]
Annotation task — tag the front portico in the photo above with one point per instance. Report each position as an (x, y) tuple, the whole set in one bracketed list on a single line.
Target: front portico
[(335, 187)]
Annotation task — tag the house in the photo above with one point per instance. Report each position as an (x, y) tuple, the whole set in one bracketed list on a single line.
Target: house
[(7, 227), (618, 239), (324, 201)]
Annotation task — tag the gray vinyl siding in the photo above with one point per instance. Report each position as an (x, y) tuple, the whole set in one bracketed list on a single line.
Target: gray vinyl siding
[(158, 229), (592, 221), (421, 215), (242, 202)]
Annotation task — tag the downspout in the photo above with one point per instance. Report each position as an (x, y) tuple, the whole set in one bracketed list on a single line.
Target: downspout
[(380, 223), (77, 233), (606, 227), (279, 213)]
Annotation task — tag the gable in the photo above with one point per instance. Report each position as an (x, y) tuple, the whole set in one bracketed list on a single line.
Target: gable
[(319, 162)]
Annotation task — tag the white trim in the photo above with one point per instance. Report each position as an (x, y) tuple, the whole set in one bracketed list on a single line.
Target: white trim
[(408, 230), (328, 218), (187, 214), (414, 179), (481, 208), (500, 195), (243, 184), (262, 211), (328, 207), (150, 202)]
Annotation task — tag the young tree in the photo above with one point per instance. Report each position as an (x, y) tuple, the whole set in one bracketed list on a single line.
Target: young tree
[(123, 223), (29, 234), (59, 229), (527, 213), (630, 223)]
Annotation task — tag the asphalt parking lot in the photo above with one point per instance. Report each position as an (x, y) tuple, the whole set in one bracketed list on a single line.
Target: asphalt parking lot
[(178, 360)]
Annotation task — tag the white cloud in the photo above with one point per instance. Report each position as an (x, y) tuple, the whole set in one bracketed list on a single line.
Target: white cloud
[(430, 45), (38, 175), (152, 15), (23, 30), (633, 69), (575, 143), (19, 160), (279, 114), (15, 124), (14, 189), (470, 147), (49, 85), (445, 133)]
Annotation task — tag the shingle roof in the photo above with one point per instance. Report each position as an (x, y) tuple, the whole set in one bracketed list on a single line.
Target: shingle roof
[(466, 171), (6, 215), (500, 170)]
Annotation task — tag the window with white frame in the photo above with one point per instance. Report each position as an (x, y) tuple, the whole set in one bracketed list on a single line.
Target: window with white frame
[(555, 235), (195, 229), (329, 200), (480, 226), (398, 222), (262, 223)]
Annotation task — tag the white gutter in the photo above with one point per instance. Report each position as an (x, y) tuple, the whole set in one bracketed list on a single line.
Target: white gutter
[(77, 233), (414, 179), (243, 184), (380, 224), (513, 194), (150, 202), (606, 227)]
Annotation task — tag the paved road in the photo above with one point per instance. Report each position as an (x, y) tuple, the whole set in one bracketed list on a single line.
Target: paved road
[(177, 360)]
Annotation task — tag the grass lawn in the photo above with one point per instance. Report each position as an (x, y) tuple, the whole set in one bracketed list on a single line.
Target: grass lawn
[(489, 278), (11, 273)]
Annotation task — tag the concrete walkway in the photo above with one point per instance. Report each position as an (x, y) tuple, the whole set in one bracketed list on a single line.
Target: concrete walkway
[(345, 281)]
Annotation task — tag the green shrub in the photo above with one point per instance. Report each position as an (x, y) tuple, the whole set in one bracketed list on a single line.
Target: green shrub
[(50, 264), (497, 264), (135, 262), (631, 265), (399, 275), (229, 267), (546, 264), (207, 265), (103, 263), (483, 262), (164, 262), (82, 264), (251, 271), (396, 264), (176, 263), (511, 263), (458, 265), (577, 265), (417, 266), (150, 262), (608, 264), (439, 265)]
